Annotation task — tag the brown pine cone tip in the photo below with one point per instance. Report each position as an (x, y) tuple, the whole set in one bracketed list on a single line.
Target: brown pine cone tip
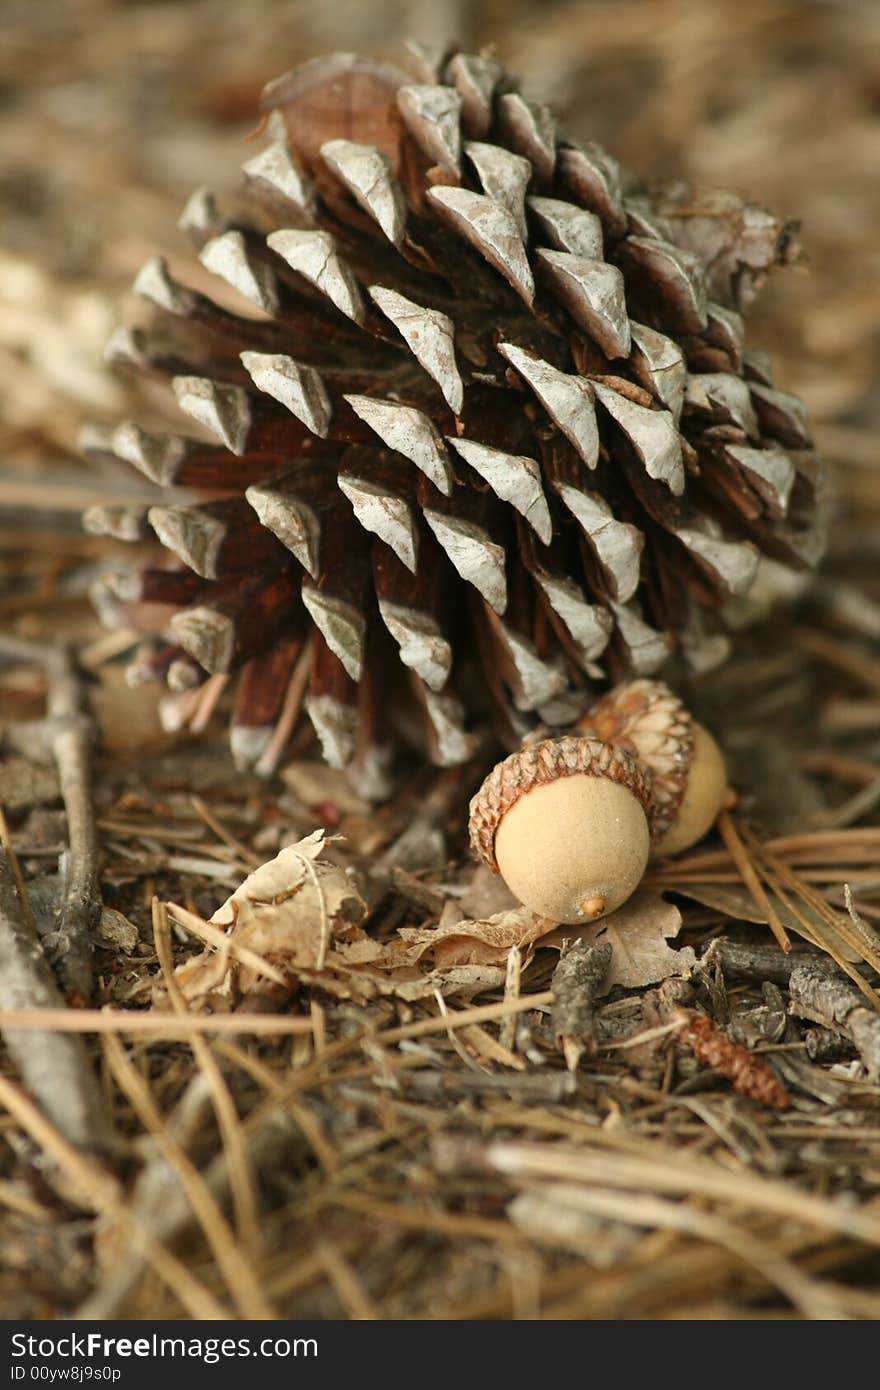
[(651, 723), (543, 762), (482, 438)]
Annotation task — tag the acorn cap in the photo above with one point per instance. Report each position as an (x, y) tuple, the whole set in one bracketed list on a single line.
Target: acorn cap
[(651, 723), (548, 761), (703, 798)]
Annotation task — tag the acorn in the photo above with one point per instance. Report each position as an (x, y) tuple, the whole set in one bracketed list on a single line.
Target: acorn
[(689, 777), (566, 823)]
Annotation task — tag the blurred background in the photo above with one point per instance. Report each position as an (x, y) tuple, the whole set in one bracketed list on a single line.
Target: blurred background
[(112, 112)]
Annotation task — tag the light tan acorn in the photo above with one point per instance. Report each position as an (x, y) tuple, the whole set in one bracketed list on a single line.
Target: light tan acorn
[(565, 823), (689, 777)]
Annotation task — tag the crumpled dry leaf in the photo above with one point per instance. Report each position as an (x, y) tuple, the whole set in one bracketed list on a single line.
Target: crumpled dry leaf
[(281, 910), (304, 917), (290, 911), (476, 942), (638, 934)]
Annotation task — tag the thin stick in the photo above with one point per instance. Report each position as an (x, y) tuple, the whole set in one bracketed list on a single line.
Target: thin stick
[(174, 1026), (813, 932), (164, 1207), (289, 714), (644, 1209), (666, 1170), (838, 922), (208, 697), (507, 1033), (307, 1122), (740, 857), (456, 1043), (67, 734), (71, 740), (55, 1068), (840, 656), (649, 1035), (226, 944), (813, 846), (168, 1027), (349, 1289), (213, 823), (484, 1013)]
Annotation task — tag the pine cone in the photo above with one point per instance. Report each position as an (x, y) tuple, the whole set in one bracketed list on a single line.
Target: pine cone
[(484, 440)]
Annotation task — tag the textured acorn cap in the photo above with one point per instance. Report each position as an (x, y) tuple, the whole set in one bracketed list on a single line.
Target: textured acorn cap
[(565, 823), (650, 722), (542, 762), (703, 797), (689, 779)]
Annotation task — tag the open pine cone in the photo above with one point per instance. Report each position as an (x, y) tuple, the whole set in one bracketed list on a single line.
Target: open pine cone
[(486, 432)]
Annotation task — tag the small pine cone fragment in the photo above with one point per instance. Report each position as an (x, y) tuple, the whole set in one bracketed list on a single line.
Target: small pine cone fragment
[(749, 1074), (482, 436)]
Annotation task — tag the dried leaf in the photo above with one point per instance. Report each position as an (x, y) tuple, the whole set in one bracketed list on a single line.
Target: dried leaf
[(288, 911), (476, 942), (638, 934)]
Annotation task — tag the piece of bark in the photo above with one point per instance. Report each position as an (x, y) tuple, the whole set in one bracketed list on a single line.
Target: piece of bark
[(576, 984), (751, 962), (826, 1045), (53, 1065), (764, 1024), (826, 997)]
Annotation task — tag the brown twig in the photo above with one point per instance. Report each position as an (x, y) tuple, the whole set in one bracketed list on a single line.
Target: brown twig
[(747, 961)]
